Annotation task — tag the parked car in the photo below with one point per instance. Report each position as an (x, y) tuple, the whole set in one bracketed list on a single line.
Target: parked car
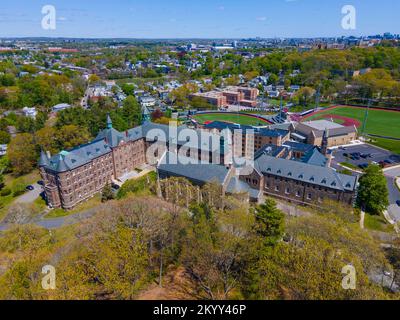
[(398, 202), (30, 188), (363, 166), (115, 186)]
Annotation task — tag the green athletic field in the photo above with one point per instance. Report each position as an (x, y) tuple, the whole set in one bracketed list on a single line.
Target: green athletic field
[(229, 117), (380, 122)]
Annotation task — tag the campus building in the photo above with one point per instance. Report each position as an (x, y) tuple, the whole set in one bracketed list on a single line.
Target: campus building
[(294, 181), (285, 169), (262, 136), (312, 132), (231, 95), (76, 175)]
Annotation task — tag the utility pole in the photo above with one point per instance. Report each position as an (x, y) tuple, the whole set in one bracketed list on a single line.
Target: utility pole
[(317, 96), (366, 117)]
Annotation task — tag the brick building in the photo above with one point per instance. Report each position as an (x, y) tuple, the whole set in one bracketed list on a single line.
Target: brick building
[(230, 96), (285, 169), (312, 132)]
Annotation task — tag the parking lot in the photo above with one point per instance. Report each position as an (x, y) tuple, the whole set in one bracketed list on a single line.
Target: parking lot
[(361, 156)]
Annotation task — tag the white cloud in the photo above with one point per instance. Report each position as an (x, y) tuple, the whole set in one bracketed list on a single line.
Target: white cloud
[(261, 18)]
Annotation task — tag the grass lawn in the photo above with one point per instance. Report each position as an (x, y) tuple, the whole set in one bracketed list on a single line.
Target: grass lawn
[(13, 184), (350, 165), (228, 117), (28, 179), (377, 223), (379, 122), (89, 204), (388, 144)]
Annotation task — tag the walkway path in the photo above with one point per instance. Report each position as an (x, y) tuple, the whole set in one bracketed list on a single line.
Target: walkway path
[(56, 223), (30, 196), (362, 219)]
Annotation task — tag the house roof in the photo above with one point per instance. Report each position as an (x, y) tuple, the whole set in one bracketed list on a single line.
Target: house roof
[(315, 158), (43, 161), (308, 173), (298, 146), (220, 125), (202, 172), (317, 128), (72, 159)]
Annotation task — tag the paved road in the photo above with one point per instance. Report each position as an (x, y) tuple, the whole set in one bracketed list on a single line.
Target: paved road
[(30, 196), (59, 222), (394, 193), (66, 221)]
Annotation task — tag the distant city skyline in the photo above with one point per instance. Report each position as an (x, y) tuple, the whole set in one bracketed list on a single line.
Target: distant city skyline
[(205, 19)]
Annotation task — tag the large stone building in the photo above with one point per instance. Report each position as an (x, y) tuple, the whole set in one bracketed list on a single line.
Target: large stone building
[(230, 96), (312, 132), (290, 170), (293, 181), (262, 136), (74, 176)]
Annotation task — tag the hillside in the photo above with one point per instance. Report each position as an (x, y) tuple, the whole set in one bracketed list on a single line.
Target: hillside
[(231, 251)]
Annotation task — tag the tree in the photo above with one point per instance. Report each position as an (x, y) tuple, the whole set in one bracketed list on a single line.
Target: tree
[(107, 193), (304, 94), (157, 114), (132, 112), (22, 153), (180, 96), (308, 264), (5, 137), (214, 249), (1, 181), (373, 194), (46, 139), (273, 79), (269, 222), (250, 75), (71, 136), (7, 80), (94, 78), (128, 89), (25, 124)]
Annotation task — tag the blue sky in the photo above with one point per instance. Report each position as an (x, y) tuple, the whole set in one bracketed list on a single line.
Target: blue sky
[(197, 18)]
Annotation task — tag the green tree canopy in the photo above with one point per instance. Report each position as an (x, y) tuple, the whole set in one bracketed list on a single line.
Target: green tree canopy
[(373, 194)]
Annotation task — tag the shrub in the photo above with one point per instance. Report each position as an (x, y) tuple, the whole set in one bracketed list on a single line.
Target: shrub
[(5, 192), (18, 190), (143, 184)]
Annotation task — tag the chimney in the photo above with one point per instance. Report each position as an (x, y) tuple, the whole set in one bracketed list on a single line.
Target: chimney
[(48, 154)]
